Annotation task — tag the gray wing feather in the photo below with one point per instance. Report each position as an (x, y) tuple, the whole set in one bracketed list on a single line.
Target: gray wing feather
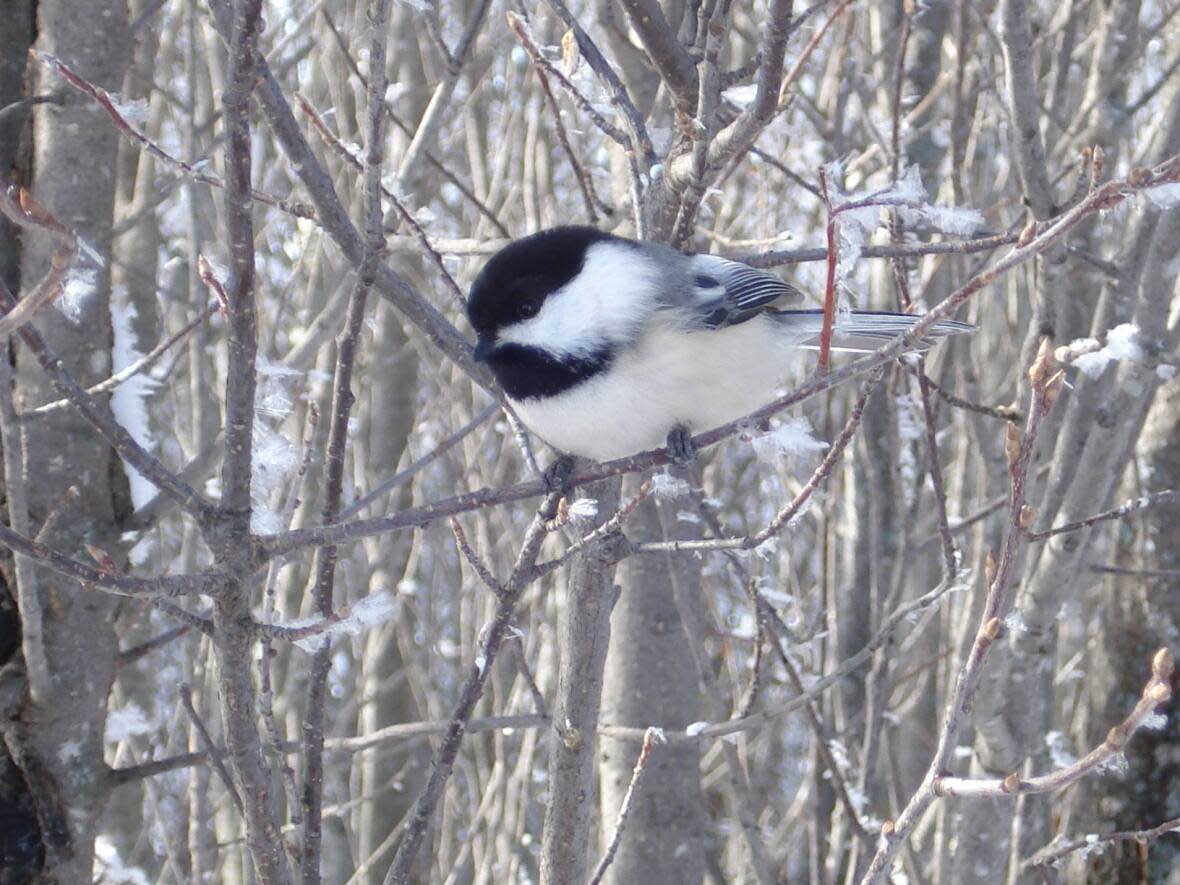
[(729, 292)]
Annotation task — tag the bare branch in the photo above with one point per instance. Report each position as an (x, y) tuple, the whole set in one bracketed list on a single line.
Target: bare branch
[(651, 737)]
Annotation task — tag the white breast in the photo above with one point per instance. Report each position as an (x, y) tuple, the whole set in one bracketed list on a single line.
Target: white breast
[(699, 380)]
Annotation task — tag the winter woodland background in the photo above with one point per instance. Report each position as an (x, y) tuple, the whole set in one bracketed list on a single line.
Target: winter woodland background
[(865, 652)]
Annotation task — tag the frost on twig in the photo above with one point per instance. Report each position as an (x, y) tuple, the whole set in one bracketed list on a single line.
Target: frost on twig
[(1122, 344), (857, 214), (311, 633)]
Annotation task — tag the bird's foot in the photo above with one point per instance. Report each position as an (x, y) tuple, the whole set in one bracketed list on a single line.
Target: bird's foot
[(680, 447), (558, 474)]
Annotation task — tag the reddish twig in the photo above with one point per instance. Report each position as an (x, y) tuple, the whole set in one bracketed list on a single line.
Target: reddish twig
[(1157, 691), (111, 107), (20, 208), (1045, 381), (651, 737)]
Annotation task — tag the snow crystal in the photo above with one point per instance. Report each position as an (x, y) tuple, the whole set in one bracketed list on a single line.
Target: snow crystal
[(274, 458), (129, 401), (741, 96), (1116, 764), (911, 423), (1059, 750), (777, 598), (667, 487), (1165, 196), (792, 438), (961, 221), (70, 752), (1121, 344), (584, 508), (1165, 371), (1093, 846), (274, 382), (1154, 722), (79, 287), (274, 455), (110, 866), (143, 550), (134, 111), (362, 614), (695, 728), (1014, 622), (126, 723)]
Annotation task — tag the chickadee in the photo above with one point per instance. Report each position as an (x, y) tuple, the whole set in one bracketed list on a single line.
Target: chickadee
[(607, 346)]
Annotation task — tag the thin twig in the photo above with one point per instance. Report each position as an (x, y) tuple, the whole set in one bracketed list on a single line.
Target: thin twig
[(211, 753), (403, 476), (342, 399), (1056, 851), (142, 364), (1157, 691), (1045, 384), (110, 106), (651, 737), (469, 694), (1150, 500), (104, 422)]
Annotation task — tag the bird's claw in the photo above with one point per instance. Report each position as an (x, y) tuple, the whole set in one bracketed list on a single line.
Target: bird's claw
[(558, 474), (680, 446)]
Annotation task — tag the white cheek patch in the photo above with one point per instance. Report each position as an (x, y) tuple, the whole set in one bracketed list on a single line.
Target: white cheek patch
[(603, 305)]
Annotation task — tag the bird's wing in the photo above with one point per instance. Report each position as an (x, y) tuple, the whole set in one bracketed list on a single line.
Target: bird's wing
[(729, 292)]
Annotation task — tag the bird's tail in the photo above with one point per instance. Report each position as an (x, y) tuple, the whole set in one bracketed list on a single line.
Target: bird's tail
[(865, 330)]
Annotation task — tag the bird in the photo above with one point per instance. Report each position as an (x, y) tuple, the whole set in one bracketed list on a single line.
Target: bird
[(606, 346)]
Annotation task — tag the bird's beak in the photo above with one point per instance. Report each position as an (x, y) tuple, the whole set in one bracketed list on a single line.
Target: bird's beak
[(483, 349)]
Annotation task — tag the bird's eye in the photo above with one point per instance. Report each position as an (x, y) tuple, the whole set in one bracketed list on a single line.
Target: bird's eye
[(528, 308)]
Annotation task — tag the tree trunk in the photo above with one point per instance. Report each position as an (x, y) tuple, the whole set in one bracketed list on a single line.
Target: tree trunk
[(58, 740)]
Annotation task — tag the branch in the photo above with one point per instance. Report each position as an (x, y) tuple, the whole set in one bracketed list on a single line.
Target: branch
[(796, 505), (754, 721), (403, 476), (20, 208), (142, 364), (335, 221), (469, 694), (228, 535), (651, 737), (521, 28), (104, 422), (1149, 500), (110, 106), (1157, 691), (120, 585), (405, 128), (619, 97), (342, 399), (1051, 854), (1032, 241), (667, 54), (1045, 381), (211, 753)]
